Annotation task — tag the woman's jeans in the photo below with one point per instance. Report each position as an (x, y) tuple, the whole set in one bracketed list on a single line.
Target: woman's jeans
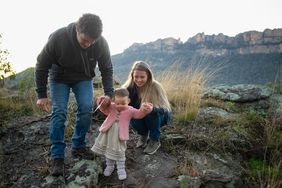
[(150, 125), (83, 91)]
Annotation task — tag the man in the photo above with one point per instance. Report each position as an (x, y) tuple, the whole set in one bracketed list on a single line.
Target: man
[(71, 54)]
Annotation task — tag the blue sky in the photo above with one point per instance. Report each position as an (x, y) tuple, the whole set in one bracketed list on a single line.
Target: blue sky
[(26, 25)]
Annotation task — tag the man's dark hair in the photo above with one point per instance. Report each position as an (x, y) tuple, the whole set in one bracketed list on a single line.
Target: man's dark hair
[(90, 24), (121, 92)]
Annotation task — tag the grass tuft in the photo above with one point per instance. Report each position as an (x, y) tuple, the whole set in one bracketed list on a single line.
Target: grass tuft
[(184, 89)]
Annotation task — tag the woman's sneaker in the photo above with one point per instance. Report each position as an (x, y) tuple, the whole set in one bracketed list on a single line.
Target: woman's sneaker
[(152, 147), (142, 141)]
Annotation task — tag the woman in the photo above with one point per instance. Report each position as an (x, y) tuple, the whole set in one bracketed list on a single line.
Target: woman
[(144, 88)]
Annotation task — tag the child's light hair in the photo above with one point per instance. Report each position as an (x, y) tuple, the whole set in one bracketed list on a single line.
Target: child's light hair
[(121, 92)]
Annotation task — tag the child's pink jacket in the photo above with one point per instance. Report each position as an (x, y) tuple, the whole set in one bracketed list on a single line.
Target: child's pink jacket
[(123, 121)]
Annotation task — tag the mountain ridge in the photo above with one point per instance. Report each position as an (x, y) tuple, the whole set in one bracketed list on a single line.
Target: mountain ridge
[(258, 52), (200, 40)]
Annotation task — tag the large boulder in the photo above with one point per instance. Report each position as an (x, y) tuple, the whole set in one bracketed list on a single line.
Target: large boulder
[(238, 93)]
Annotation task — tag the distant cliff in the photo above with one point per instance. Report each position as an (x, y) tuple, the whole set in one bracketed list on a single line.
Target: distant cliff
[(248, 58)]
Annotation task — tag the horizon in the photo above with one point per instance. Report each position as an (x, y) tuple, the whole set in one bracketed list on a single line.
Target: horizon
[(162, 39), (121, 20)]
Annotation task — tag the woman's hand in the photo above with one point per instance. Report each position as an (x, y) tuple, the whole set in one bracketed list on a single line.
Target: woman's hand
[(147, 107)]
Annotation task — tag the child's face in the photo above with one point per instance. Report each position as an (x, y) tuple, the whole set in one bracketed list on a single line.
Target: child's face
[(121, 103)]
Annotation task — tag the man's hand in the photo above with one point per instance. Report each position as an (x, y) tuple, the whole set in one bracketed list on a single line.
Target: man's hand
[(44, 104), (105, 100)]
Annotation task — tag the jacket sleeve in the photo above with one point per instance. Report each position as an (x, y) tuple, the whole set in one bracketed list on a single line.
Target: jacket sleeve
[(105, 67), (137, 113), (44, 62)]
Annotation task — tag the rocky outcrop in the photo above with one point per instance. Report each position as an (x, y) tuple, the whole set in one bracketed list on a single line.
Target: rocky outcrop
[(25, 158), (251, 57), (251, 42), (167, 45), (239, 93)]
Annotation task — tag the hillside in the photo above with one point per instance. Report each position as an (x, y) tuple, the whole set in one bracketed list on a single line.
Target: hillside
[(22, 79), (248, 58)]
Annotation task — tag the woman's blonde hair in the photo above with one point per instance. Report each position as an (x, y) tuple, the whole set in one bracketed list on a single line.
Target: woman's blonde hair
[(152, 91)]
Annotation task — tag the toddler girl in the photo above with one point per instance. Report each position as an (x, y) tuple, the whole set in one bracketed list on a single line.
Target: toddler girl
[(114, 132)]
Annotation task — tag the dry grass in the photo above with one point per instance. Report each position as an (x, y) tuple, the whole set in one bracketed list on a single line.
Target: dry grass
[(13, 106), (184, 89), (226, 105), (43, 170), (71, 117), (4, 93), (186, 168), (31, 98), (267, 170), (97, 93), (273, 139)]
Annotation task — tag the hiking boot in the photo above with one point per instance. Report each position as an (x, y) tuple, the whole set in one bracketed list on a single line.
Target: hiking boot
[(57, 167), (152, 147), (142, 141), (83, 153)]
